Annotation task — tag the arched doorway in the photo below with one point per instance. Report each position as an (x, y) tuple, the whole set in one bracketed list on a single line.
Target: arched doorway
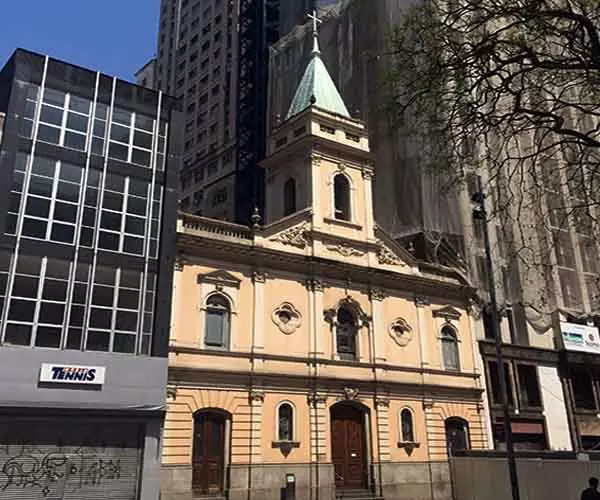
[(208, 457), (457, 435), (349, 450)]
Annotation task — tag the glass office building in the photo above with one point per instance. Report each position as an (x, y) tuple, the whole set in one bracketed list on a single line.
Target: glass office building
[(88, 171)]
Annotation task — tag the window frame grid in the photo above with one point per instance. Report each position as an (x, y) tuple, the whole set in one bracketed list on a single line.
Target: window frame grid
[(79, 226), (131, 146), (26, 181), (39, 300), (62, 128), (50, 220)]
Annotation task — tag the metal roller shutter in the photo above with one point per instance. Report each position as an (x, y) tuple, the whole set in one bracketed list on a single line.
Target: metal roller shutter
[(56, 459)]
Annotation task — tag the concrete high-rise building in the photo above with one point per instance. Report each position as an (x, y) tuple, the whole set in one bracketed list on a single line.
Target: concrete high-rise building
[(146, 75), (197, 61), (293, 12), (87, 215)]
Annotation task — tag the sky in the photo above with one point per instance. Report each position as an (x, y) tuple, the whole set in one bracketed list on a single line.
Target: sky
[(116, 37)]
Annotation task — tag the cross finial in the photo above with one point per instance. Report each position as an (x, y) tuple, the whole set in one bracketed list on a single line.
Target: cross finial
[(316, 22)]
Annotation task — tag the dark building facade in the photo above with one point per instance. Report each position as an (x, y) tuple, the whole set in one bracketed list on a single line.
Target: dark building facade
[(87, 216)]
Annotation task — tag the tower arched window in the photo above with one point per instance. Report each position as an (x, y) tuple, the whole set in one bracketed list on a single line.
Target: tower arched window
[(450, 348), (218, 320), (289, 197), (407, 428), (346, 332), (341, 197), (285, 422)]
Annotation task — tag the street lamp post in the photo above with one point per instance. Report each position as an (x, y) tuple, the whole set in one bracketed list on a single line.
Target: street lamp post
[(480, 213)]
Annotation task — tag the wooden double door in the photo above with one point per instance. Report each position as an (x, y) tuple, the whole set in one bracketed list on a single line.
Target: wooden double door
[(349, 450), (208, 462)]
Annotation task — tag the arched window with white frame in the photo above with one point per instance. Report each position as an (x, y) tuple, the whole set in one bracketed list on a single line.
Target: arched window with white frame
[(341, 197), (285, 422), (407, 426), (218, 321), (450, 356)]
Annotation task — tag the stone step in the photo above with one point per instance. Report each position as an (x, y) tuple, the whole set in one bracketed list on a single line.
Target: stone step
[(356, 494)]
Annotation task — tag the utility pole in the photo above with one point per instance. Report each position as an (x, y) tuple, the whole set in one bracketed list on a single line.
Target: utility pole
[(479, 212)]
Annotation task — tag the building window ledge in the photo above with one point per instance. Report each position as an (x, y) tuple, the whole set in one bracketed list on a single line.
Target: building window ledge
[(285, 446), (343, 223), (409, 446)]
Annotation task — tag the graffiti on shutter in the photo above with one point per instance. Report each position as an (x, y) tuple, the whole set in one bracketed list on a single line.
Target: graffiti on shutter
[(49, 460)]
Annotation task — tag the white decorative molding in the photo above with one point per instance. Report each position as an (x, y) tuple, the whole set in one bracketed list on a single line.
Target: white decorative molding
[(401, 332), (386, 256), (351, 393), (287, 318), (316, 398), (296, 236), (256, 396), (345, 250), (377, 294), (259, 277), (382, 402)]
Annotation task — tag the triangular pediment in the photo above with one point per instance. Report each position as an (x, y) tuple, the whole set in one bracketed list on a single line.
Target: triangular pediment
[(222, 278), (448, 313), (391, 253)]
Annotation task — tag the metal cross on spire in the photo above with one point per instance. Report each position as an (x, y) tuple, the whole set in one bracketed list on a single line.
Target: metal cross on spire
[(316, 21)]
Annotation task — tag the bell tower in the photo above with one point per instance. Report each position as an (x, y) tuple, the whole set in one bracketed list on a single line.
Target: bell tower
[(318, 159)]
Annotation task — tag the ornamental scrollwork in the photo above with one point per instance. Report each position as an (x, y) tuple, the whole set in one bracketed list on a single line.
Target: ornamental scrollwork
[(296, 236), (386, 256), (345, 250), (287, 318), (401, 332)]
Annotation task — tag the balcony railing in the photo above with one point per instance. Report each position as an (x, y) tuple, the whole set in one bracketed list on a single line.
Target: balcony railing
[(197, 224)]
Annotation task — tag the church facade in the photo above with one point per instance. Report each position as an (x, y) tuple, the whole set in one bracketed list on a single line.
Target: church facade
[(310, 352)]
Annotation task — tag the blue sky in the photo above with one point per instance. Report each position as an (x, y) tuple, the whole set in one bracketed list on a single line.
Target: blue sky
[(116, 37)]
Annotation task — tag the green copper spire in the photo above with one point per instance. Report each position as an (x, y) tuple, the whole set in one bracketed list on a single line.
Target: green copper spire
[(316, 86)]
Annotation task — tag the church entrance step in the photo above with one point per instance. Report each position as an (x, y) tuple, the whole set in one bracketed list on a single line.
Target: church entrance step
[(356, 494)]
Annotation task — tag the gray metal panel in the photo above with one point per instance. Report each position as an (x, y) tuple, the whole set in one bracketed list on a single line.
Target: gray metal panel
[(132, 382), (65, 459)]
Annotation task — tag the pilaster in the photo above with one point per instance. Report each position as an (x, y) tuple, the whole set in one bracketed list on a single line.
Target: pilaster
[(256, 400), (369, 219), (382, 407), (318, 425), (316, 341), (258, 335), (421, 304), (377, 296)]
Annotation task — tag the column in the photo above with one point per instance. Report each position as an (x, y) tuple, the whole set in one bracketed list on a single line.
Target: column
[(258, 327), (382, 407), (421, 304), (377, 296)]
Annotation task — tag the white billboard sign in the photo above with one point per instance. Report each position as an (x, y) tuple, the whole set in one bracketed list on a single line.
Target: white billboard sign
[(580, 337), (71, 374)]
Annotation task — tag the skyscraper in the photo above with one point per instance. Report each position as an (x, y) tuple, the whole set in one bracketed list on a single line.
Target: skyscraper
[(197, 60)]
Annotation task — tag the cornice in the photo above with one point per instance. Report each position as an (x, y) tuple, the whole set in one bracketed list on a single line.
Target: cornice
[(191, 349), (198, 247), (185, 376)]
